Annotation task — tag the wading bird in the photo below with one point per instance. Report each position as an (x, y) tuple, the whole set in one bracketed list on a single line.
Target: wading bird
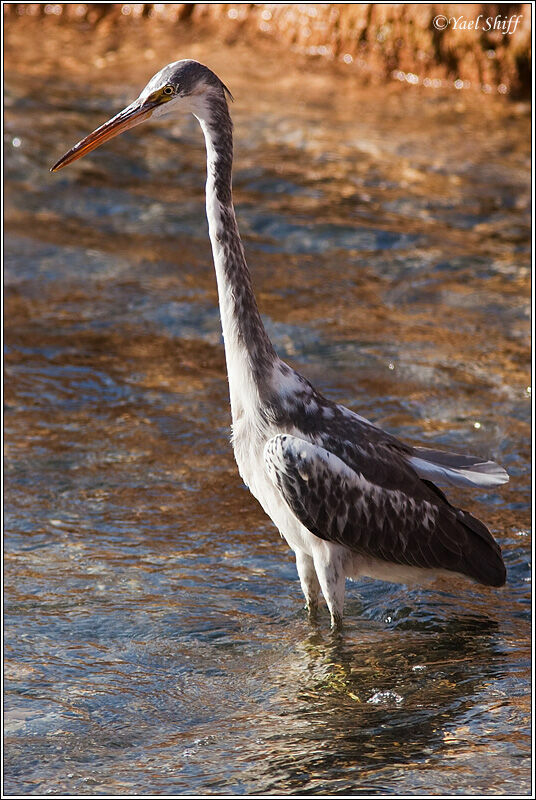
[(350, 499)]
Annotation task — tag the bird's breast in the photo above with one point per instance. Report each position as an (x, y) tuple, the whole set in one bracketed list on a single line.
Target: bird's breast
[(249, 438)]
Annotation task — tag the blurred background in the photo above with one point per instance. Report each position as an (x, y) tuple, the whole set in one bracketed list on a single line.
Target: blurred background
[(155, 640)]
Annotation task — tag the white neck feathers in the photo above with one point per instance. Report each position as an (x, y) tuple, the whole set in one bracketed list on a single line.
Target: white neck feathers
[(248, 350)]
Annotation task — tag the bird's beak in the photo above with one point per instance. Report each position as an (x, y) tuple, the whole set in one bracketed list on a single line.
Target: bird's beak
[(132, 115)]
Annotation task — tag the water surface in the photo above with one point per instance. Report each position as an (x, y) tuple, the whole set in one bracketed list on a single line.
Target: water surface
[(155, 639)]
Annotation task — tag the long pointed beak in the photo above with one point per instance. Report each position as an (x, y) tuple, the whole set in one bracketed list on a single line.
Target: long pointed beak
[(129, 117)]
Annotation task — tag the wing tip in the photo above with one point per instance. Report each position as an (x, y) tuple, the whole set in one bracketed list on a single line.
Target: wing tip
[(492, 574)]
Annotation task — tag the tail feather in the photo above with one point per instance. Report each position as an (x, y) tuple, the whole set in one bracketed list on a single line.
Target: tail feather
[(456, 470)]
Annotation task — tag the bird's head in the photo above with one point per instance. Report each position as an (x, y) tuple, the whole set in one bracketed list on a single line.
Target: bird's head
[(182, 87)]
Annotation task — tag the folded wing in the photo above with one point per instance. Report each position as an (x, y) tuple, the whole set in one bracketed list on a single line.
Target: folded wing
[(373, 501)]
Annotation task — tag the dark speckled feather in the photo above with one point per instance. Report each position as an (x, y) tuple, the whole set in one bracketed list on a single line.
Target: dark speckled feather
[(374, 503)]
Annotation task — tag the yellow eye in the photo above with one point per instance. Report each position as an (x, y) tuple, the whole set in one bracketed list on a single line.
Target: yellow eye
[(168, 90)]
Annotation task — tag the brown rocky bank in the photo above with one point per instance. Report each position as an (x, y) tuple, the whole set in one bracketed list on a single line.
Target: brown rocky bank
[(482, 46)]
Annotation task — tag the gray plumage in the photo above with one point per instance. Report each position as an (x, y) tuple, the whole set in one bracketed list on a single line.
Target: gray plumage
[(349, 498)]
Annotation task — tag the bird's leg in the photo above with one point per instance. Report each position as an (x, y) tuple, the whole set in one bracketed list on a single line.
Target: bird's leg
[(330, 573), (309, 581)]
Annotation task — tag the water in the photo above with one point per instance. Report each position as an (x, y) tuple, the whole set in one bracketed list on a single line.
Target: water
[(155, 640)]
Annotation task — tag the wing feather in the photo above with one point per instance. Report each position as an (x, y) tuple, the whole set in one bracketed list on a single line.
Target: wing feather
[(371, 500), (457, 470)]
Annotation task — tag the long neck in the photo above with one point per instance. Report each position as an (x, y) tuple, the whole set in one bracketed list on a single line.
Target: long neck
[(249, 353)]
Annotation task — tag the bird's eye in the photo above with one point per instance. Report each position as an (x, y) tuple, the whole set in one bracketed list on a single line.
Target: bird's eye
[(169, 90)]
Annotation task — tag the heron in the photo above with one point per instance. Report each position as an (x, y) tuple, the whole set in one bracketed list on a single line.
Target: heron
[(349, 498)]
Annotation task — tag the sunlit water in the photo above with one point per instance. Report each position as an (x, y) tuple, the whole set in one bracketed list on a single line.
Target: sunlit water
[(155, 639)]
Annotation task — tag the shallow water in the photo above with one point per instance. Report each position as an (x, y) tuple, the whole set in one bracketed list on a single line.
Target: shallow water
[(155, 640)]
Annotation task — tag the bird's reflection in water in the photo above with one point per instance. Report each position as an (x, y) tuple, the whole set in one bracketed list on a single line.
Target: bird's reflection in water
[(369, 702)]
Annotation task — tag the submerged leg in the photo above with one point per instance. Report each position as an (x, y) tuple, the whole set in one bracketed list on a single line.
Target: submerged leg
[(330, 572), (309, 582)]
